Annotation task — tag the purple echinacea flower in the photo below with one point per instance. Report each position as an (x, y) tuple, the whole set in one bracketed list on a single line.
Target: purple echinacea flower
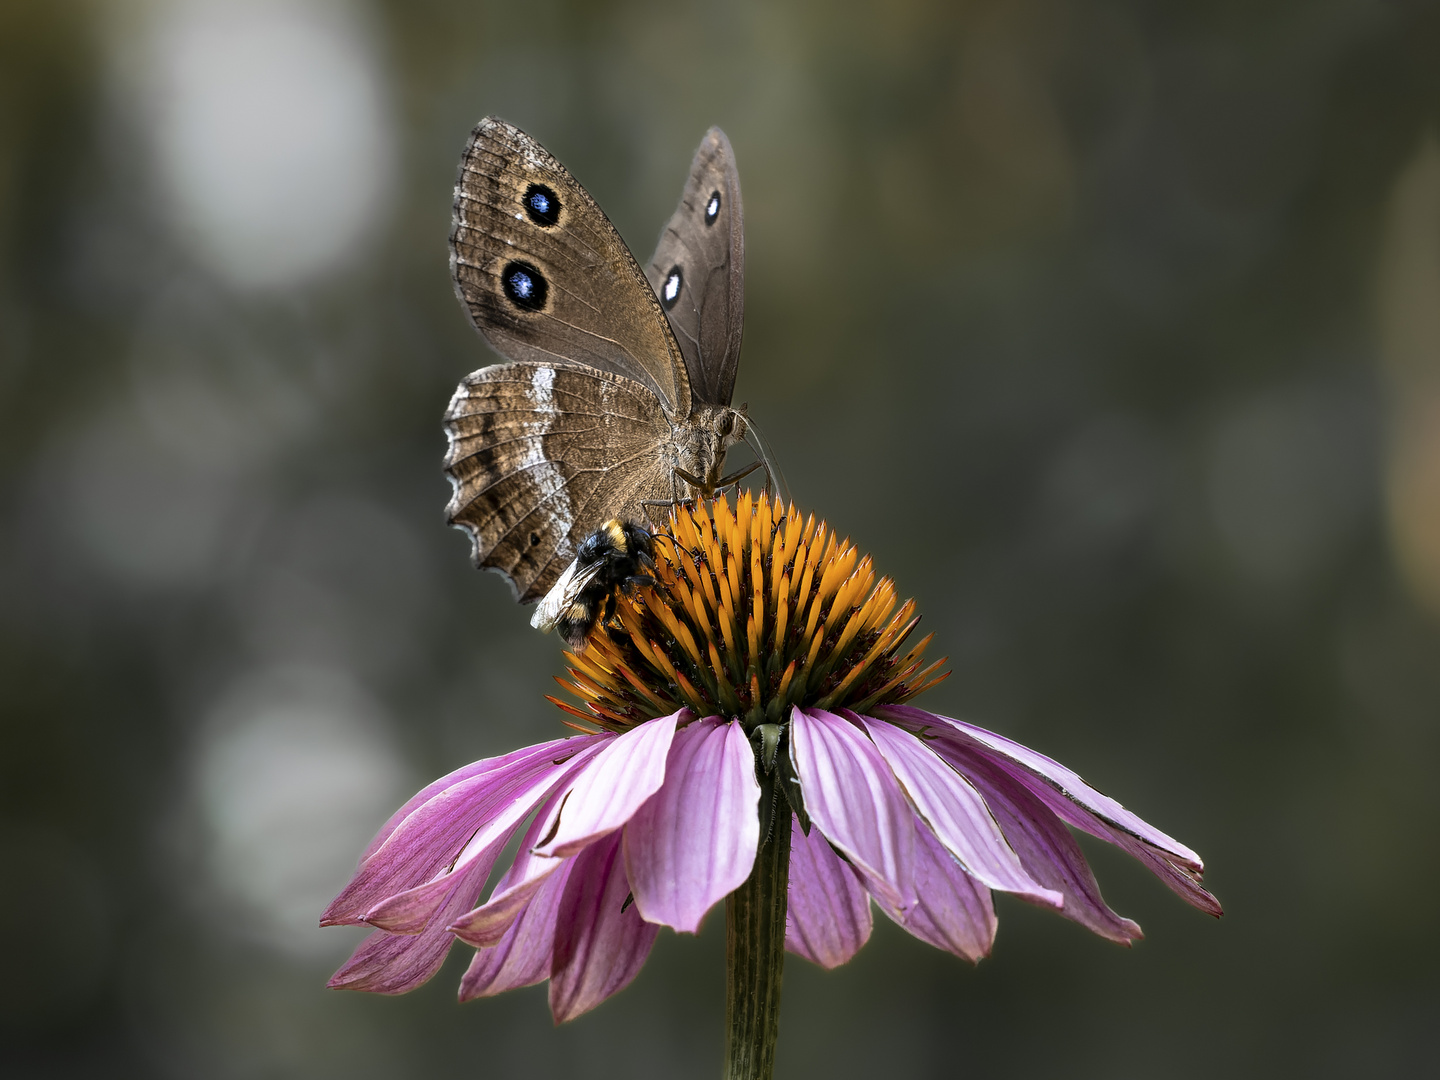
[(760, 686)]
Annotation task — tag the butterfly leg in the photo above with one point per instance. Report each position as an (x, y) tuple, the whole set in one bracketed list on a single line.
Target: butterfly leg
[(674, 500), (694, 481), (736, 477), (668, 504)]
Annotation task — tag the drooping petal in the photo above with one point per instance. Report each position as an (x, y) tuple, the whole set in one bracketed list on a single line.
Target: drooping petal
[(388, 963), (437, 824), (954, 911), (410, 911), (1066, 795), (435, 787), (693, 842), (1050, 852), (609, 790), (852, 797), (486, 926), (557, 746), (828, 919), (596, 804), (522, 958), (1081, 801), (955, 812), (600, 943)]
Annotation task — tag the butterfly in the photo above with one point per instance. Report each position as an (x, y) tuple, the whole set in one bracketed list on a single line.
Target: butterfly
[(615, 396)]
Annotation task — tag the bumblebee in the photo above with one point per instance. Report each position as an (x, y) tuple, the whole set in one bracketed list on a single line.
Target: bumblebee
[(614, 557)]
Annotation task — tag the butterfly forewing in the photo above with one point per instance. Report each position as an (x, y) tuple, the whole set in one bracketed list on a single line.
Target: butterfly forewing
[(544, 274), (543, 452), (698, 271)]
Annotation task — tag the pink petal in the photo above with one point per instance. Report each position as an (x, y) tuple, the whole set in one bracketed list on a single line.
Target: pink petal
[(851, 795), (486, 926), (1066, 796), (396, 963), (612, 787), (438, 823), (1079, 804), (600, 944), (410, 911), (955, 811), (693, 842), (522, 958), (1049, 852), (829, 911), (475, 768), (954, 912), (429, 791), (1183, 881)]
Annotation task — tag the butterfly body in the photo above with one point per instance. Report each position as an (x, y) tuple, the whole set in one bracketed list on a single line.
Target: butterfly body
[(699, 447), (616, 393)]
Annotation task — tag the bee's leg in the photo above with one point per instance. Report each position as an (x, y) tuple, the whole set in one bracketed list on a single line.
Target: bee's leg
[(634, 581), (649, 562), (645, 559)]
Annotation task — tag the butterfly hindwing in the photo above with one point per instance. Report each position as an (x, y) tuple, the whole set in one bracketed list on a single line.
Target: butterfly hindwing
[(541, 453), (545, 276), (698, 270)]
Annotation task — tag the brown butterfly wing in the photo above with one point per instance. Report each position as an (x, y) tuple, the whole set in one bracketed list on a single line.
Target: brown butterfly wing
[(541, 453), (545, 276), (698, 271)]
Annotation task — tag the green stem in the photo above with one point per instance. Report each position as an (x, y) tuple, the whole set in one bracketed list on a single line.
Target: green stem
[(755, 956)]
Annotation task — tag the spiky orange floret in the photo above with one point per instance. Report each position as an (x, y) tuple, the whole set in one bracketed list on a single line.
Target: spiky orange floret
[(757, 610)]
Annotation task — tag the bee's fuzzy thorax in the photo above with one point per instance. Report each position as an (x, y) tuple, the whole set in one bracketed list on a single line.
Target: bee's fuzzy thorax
[(755, 610)]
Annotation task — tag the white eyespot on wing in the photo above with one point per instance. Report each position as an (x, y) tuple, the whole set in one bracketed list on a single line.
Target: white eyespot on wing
[(562, 594)]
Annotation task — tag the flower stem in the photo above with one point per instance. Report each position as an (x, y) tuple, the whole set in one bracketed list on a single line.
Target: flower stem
[(755, 955)]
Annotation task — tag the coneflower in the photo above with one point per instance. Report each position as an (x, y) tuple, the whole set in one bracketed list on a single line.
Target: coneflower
[(745, 735)]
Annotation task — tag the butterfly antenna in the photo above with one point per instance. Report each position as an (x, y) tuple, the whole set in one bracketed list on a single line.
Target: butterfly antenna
[(774, 478)]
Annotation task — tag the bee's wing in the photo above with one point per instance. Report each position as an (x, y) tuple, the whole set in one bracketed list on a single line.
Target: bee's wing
[(564, 593)]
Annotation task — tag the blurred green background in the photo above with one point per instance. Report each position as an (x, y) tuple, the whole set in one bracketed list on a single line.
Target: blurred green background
[(1112, 330)]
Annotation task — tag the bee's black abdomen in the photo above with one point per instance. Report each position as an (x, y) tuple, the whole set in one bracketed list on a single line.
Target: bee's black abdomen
[(575, 625)]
